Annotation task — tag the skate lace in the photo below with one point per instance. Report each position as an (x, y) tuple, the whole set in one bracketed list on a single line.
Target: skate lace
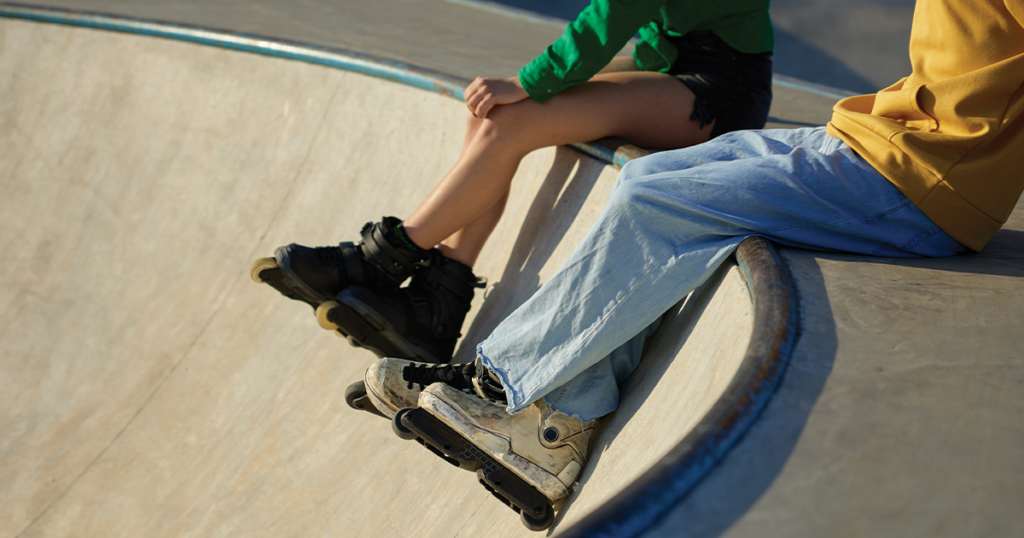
[(458, 376), (329, 256)]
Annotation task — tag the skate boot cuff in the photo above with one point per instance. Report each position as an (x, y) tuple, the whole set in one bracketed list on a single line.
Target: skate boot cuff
[(486, 384), (454, 276), (398, 234), (382, 249)]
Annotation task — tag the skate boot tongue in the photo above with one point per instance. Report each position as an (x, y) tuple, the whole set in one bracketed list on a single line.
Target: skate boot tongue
[(330, 257), (472, 378)]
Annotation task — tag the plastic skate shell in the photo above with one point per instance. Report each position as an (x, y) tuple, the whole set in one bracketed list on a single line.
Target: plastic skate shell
[(533, 507)]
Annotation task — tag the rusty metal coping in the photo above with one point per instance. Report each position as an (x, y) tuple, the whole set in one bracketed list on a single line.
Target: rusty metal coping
[(638, 507)]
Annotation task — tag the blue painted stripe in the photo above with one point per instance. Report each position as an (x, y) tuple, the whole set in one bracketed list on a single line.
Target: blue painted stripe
[(365, 64)]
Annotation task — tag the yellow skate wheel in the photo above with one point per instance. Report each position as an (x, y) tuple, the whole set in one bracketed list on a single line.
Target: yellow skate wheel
[(259, 266), (323, 314)]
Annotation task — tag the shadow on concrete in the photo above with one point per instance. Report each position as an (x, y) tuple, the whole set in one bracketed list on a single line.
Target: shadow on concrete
[(793, 57), (749, 470), (660, 350), (791, 123), (566, 10), (797, 58), (553, 210), (1002, 256)]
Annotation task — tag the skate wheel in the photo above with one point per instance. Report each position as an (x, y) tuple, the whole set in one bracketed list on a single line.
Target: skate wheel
[(323, 315), (260, 265), (356, 398), (399, 428), (538, 524), (354, 395)]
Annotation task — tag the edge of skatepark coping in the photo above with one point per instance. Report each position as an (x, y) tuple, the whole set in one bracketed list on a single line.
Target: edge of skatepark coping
[(638, 507)]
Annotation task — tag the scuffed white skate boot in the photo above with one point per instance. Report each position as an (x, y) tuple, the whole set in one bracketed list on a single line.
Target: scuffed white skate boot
[(393, 384), (530, 459)]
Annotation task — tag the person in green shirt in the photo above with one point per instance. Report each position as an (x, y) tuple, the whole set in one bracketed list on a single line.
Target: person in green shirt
[(699, 69)]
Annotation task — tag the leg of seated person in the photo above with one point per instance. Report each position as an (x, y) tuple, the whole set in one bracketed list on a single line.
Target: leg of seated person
[(649, 109), (671, 220)]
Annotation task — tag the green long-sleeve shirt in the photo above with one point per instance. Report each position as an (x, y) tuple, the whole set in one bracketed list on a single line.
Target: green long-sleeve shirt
[(605, 26)]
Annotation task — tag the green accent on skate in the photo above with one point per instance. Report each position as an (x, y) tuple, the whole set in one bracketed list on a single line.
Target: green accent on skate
[(404, 239)]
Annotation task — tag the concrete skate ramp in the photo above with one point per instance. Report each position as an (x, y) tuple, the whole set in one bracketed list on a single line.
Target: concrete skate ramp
[(149, 388)]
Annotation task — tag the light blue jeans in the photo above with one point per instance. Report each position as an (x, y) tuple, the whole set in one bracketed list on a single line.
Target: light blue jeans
[(671, 220)]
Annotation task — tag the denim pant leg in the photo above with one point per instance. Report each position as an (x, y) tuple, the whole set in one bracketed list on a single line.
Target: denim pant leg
[(671, 220)]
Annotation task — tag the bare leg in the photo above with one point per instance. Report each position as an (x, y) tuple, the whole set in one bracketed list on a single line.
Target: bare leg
[(648, 109)]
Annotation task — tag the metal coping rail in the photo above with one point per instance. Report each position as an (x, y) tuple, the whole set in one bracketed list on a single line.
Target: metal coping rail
[(638, 507)]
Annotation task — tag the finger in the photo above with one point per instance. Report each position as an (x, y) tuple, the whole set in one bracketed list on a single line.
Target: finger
[(468, 93), (485, 106), (471, 90), (474, 102)]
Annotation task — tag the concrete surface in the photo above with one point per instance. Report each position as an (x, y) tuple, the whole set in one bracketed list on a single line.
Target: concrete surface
[(900, 411), (151, 389)]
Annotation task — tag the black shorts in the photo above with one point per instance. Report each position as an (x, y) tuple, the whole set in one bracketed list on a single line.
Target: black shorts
[(733, 89)]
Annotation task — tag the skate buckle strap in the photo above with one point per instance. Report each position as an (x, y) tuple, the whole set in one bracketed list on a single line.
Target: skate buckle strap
[(353, 265), (382, 254), (439, 277), (421, 311)]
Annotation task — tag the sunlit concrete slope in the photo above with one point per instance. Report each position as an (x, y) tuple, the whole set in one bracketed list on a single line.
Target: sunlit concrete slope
[(149, 388)]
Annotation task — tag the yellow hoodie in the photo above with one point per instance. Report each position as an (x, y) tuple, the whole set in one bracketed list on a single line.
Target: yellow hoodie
[(951, 135)]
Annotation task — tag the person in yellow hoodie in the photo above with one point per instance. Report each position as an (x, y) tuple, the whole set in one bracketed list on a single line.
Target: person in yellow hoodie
[(930, 166)]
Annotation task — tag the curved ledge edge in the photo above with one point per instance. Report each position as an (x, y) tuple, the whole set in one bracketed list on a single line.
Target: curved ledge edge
[(609, 151), (637, 508)]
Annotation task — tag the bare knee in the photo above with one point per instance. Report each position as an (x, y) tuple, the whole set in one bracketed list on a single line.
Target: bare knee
[(501, 128), (473, 124)]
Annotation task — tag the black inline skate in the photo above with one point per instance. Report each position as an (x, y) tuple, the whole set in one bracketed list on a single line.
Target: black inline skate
[(381, 262)]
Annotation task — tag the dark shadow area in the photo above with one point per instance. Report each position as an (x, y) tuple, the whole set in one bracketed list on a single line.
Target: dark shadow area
[(794, 56), (790, 123), (562, 9), (553, 210), (1002, 256), (797, 58), (749, 470)]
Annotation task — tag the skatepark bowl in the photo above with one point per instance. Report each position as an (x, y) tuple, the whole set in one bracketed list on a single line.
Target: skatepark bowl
[(150, 388)]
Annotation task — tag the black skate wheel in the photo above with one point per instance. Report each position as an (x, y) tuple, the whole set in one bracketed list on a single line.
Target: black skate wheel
[(356, 398), (399, 428), (538, 524), (354, 393)]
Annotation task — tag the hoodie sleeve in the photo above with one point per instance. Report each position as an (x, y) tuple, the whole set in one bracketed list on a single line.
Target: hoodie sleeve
[(586, 45)]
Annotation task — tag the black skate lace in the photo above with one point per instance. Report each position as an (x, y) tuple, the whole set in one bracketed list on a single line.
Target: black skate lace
[(459, 376), (329, 256)]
